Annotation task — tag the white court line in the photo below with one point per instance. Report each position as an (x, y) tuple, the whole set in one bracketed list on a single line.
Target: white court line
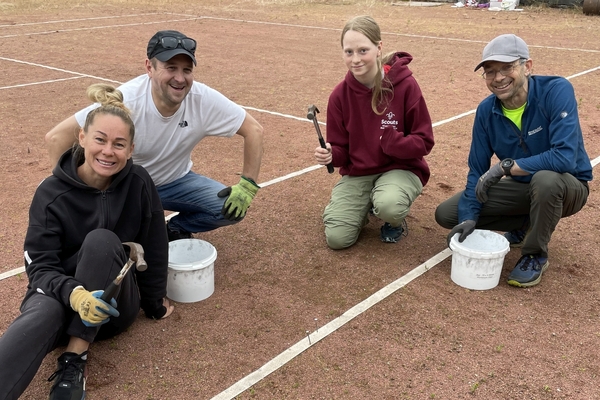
[(55, 31), (62, 21), (291, 175), (41, 83), (583, 73), (13, 272), (287, 355), (55, 69)]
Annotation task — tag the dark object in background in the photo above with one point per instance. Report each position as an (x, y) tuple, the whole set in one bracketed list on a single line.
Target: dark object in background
[(591, 7), (565, 3), (553, 3)]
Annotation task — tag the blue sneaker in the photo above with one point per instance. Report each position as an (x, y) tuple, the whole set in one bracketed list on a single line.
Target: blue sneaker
[(391, 234), (528, 271), (515, 238)]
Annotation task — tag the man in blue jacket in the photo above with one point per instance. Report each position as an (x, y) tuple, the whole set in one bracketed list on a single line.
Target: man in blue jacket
[(531, 124)]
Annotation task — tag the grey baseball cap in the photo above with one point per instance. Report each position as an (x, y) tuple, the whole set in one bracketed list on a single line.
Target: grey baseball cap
[(504, 48)]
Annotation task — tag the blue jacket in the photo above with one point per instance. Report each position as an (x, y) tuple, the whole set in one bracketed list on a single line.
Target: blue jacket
[(550, 138)]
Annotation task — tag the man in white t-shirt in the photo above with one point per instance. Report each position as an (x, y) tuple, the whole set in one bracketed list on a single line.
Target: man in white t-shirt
[(172, 113)]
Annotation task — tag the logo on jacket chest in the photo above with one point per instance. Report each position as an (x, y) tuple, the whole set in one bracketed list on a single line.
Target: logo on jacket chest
[(534, 131), (389, 121)]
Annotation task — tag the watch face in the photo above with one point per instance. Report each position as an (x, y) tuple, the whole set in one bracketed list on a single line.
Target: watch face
[(506, 166)]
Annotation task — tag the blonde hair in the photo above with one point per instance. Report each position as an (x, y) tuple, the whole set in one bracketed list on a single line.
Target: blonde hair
[(382, 94), (111, 103)]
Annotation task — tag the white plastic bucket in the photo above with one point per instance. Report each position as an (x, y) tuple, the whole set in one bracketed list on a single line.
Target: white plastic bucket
[(191, 270), (477, 261)]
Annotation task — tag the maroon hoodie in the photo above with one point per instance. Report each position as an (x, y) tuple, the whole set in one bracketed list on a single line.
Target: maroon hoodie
[(364, 143)]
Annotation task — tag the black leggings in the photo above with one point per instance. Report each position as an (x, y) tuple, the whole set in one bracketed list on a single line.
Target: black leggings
[(45, 323)]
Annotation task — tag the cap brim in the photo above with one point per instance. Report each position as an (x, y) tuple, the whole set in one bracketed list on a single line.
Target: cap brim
[(168, 54), (496, 57)]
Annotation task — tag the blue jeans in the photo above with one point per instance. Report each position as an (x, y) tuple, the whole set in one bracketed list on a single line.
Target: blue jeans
[(195, 198)]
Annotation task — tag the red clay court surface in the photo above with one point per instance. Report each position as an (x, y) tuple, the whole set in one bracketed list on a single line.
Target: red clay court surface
[(275, 279)]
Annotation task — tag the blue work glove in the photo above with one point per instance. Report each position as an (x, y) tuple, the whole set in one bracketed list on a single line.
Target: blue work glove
[(240, 197), (465, 228), (487, 180), (92, 310)]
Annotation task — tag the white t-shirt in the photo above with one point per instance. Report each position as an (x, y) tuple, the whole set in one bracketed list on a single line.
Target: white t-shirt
[(164, 145)]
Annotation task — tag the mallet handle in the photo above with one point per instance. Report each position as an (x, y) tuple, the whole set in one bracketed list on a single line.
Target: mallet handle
[(312, 115), (110, 292)]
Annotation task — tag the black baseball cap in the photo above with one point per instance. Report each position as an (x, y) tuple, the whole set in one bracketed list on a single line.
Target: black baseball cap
[(165, 45)]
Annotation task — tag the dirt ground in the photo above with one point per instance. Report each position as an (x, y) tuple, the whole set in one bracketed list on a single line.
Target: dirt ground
[(275, 278)]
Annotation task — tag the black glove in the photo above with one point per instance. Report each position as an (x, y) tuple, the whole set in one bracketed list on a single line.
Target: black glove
[(465, 228), (487, 180)]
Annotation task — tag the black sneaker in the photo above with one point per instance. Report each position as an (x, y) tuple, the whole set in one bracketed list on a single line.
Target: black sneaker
[(391, 234), (70, 377), (176, 235)]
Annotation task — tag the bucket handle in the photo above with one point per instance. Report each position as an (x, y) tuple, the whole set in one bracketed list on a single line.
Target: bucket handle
[(450, 241)]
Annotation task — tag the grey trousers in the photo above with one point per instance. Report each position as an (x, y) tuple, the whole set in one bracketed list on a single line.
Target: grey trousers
[(45, 323), (549, 197)]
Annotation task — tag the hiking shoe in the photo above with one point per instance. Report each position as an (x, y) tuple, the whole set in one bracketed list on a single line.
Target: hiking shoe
[(70, 377), (528, 271), (390, 234), (516, 238), (176, 235)]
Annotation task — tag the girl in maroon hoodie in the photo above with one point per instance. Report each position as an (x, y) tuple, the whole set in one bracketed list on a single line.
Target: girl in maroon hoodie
[(378, 133)]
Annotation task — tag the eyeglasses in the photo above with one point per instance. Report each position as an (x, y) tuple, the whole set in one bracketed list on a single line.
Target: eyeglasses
[(171, 42), (504, 71)]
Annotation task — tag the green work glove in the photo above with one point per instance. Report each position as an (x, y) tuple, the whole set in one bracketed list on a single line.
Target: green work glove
[(240, 197), (92, 310)]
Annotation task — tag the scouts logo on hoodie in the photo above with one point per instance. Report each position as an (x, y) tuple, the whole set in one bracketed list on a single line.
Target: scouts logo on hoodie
[(390, 121)]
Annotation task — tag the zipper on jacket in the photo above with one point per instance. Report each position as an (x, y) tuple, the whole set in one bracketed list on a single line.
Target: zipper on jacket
[(521, 140), (104, 207), (519, 134), (514, 127)]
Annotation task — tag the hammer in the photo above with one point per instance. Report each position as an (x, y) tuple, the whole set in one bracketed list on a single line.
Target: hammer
[(136, 255), (312, 115)]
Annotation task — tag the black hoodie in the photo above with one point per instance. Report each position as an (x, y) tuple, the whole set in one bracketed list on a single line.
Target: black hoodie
[(64, 210)]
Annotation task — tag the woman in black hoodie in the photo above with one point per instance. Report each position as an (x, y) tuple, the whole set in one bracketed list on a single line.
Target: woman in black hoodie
[(95, 200)]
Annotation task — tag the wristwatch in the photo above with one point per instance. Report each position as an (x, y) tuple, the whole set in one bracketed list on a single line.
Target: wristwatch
[(506, 165)]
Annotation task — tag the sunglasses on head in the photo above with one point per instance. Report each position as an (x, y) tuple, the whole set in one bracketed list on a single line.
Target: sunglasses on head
[(171, 42)]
